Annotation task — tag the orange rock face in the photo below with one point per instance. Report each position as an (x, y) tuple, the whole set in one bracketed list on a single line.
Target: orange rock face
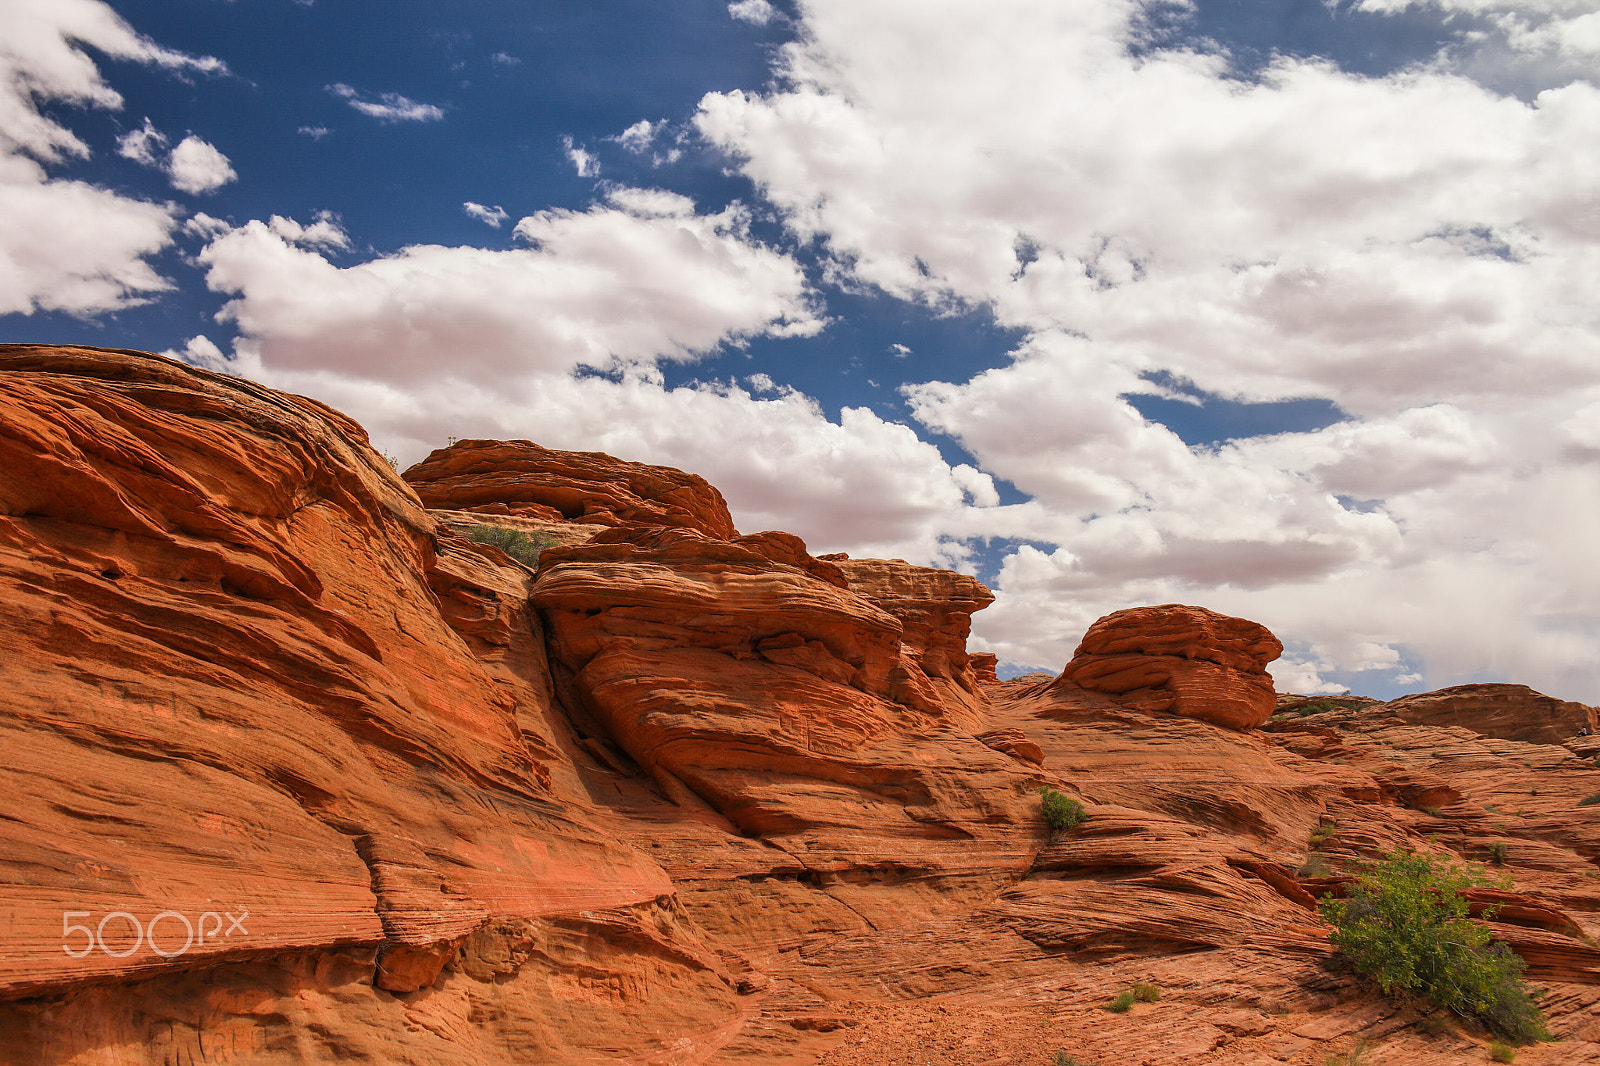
[(230, 690), (1183, 660), (1510, 712), (521, 478), (677, 796)]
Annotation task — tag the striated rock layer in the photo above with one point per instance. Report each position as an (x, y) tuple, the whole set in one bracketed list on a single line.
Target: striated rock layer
[(1185, 660), (521, 478), (673, 796)]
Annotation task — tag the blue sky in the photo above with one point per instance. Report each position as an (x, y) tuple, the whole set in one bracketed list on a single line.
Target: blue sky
[(1281, 308)]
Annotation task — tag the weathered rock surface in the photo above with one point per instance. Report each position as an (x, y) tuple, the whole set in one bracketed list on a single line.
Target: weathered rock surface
[(1183, 660), (677, 796), (1509, 712), (521, 478)]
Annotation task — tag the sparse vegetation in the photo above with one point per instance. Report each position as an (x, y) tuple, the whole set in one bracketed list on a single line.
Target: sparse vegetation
[(1353, 1057), (520, 546), (1323, 833), (390, 458), (1589, 801), (1146, 991), (1434, 1025), (1061, 813), (1122, 1004), (1406, 926), (1430, 810), (1061, 1058), (1502, 1052), (1316, 865), (1308, 709), (1497, 854)]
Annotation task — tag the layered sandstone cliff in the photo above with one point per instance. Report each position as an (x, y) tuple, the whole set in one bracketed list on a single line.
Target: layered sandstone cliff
[(675, 795)]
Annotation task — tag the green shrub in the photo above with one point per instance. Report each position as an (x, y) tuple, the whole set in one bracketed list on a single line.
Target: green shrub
[(520, 546), (1061, 1058), (1405, 925), (1121, 1004), (1589, 801), (1061, 813), (1497, 854), (1501, 1053), (1324, 833), (1146, 991)]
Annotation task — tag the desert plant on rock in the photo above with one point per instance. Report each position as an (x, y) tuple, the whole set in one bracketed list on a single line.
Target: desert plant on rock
[(1061, 813), (520, 546), (1501, 1053), (1122, 1004), (1406, 926), (1146, 991), (1589, 801)]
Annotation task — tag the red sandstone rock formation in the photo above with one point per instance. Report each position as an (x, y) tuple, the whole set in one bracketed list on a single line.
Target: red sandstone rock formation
[(682, 797), (1510, 712), (521, 478), (1183, 660)]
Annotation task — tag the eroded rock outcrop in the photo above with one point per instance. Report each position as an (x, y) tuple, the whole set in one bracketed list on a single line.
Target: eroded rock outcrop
[(1183, 660), (756, 683), (521, 478), (229, 688)]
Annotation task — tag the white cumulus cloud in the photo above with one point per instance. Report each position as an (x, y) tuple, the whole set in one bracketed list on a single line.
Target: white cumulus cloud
[(490, 216), (198, 167), (759, 12), (1418, 250), (69, 245)]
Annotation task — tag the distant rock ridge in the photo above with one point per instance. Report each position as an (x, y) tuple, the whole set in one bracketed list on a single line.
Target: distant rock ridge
[(672, 795), (1509, 712)]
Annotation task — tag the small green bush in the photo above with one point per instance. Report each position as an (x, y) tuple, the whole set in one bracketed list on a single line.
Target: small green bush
[(1589, 801), (1497, 854), (1405, 925), (1122, 1004), (1324, 833), (1061, 1058), (520, 546), (1501, 1052), (1061, 813), (1146, 991)]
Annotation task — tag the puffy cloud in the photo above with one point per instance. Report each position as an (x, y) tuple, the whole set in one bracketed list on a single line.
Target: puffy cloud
[(492, 216), (197, 167), (582, 161), (193, 167), (1417, 249), (759, 12), (386, 107), (628, 284), (143, 145), (637, 137), (68, 245)]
